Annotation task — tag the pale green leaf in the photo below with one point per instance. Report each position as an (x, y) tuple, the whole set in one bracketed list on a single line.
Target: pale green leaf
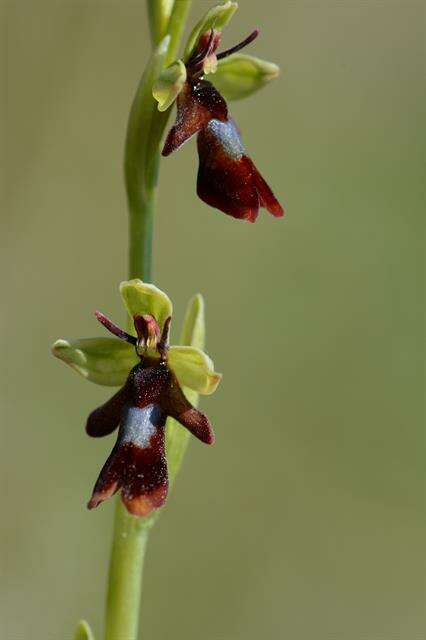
[(241, 75), (105, 361)]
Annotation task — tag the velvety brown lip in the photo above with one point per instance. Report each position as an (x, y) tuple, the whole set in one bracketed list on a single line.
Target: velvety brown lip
[(137, 465), (227, 178)]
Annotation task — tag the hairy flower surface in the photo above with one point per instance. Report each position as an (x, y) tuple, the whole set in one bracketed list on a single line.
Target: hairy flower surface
[(227, 178), (137, 465)]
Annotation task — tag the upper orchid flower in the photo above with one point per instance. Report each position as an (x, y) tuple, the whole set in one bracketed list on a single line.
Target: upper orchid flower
[(227, 178), (151, 392)]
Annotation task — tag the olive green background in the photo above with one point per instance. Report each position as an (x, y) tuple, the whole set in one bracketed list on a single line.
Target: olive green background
[(306, 519)]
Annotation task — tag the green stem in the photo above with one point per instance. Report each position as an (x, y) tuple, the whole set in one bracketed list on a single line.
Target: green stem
[(125, 576), (140, 237), (159, 15), (145, 128)]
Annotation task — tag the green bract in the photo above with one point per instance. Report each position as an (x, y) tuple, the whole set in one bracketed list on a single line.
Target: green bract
[(83, 631), (169, 85), (194, 324), (215, 18), (107, 361), (241, 75), (159, 12)]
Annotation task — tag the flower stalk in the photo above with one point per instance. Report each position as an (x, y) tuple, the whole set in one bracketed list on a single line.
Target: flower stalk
[(145, 128), (160, 381)]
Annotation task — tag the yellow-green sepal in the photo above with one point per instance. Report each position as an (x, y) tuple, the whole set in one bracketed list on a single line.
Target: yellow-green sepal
[(141, 298), (104, 361), (169, 85), (83, 631), (194, 324), (215, 18), (193, 334), (240, 75), (194, 369)]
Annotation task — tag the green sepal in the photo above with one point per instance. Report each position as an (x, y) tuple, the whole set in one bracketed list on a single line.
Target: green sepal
[(215, 18), (83, 631), (141, 298), (193, 369), (240, 75), (194, 324), (105, 361), (193, 334), (140, 158), (169, 85)]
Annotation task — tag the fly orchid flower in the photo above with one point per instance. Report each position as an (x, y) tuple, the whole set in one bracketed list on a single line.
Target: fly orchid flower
[(227, 178), (152, 375)]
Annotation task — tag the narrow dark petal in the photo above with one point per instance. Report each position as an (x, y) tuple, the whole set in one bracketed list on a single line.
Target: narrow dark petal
[(206, 45), (137, 464), (177, 406), (108, 324), (197, 103), (197, 423), (227, 178), (106, 418), (239, 46), (163, 343)]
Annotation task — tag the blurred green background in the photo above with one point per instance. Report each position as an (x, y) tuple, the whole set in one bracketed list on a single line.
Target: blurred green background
[(306, 520)]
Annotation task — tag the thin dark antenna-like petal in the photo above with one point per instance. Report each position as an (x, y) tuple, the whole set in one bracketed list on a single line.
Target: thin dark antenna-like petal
[(199, 57), (239, 46), (179, 408), (163, 344), (106, 418), (119, 333)]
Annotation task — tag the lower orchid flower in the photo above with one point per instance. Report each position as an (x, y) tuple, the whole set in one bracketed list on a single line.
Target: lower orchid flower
[(152, 392)]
